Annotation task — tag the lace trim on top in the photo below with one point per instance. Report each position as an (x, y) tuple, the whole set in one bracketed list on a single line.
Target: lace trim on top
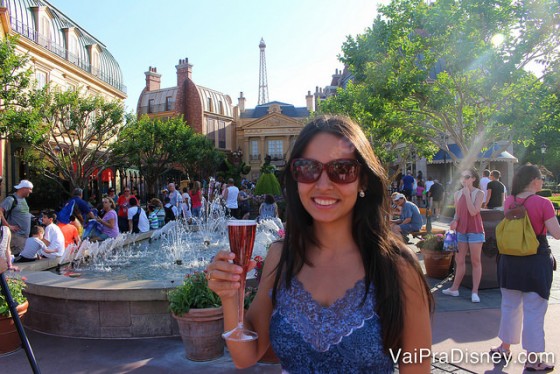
[(321, 326)]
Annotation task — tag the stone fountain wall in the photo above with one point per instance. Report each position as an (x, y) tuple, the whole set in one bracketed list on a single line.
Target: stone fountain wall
[(89, 308)]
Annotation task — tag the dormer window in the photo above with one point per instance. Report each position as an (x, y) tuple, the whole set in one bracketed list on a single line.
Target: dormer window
[(94, 61), (45, 32), (221, 107), (73, 50), (210, 105)]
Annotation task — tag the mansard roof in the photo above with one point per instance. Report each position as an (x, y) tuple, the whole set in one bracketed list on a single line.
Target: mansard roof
[(23, 22), (286, 109)]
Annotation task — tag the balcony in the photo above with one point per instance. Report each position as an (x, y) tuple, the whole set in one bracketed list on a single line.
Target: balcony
[(62, 52)]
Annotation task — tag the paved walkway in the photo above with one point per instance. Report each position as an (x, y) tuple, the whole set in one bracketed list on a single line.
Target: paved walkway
[(460, 328)]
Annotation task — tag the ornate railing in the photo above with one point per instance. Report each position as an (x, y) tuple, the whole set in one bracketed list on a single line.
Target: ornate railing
[(64, 53)]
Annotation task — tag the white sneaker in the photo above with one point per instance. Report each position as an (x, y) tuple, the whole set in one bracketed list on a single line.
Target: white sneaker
[(450, 292), (475, 298)]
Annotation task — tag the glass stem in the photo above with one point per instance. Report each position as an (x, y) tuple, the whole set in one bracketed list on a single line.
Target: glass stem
[(241, 296)]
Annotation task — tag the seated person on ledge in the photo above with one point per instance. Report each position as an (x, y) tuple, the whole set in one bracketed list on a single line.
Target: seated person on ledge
[(54, 238), (106, 227), (33, 245), (410, 219)]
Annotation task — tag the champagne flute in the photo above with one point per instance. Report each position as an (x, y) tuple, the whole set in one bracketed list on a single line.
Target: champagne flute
[(241, 240)]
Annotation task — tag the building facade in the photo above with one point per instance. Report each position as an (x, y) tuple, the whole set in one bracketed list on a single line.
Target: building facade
[(61, 53), (205, 110), (268, 129)]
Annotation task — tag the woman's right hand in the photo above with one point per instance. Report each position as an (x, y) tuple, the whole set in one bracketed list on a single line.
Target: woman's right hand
[(223, 275)]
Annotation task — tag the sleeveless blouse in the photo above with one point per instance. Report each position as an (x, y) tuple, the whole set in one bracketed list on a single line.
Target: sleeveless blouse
[(343, 337), (465, 222)]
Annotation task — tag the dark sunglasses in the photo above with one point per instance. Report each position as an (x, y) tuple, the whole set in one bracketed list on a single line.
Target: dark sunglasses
[(341, 171), (466, 176)]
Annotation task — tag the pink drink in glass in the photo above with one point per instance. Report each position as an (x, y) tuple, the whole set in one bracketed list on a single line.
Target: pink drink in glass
[(241, 240)]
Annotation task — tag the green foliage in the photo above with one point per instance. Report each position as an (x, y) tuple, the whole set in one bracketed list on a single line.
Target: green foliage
[(268, 184), (16, 287), (72, 134), (193, 293), (422, 70), (152, 145), (432, 242), (15, 80)]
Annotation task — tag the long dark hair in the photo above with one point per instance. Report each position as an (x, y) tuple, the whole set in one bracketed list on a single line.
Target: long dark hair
[(523, 177), (379, 248), (474, 174)]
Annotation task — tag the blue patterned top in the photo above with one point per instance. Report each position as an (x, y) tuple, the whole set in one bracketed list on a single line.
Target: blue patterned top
[(343, 337)]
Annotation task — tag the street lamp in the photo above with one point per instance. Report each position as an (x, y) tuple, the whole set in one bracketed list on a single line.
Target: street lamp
[(543, 151)]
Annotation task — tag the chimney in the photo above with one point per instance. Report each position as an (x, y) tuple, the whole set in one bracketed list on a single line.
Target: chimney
[(153, 79), (309, 101), (241, 103), (184, 71)]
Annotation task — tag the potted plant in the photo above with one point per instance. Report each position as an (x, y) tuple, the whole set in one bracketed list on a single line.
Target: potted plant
[(198, 312), (9, 337), (436, 260)]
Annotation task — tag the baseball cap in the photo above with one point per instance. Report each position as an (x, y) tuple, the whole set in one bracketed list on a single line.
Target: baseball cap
[(24, 183), (398, 197)]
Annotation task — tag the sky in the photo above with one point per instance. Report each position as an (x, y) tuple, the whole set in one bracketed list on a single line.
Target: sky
[(221, 40)]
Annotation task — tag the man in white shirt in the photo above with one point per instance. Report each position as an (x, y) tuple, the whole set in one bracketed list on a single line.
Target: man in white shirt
[(54, 238), (230, 196), (137, 223)]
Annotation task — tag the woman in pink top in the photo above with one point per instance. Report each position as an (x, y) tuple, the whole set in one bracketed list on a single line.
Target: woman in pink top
[(196, 199), (470, 232), (525, 281)]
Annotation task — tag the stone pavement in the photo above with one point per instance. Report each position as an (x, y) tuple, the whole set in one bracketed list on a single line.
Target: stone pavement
[(461, 331)]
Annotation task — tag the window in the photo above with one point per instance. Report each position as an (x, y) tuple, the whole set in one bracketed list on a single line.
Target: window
[(275, 149), (73, 50), (221, 134), (254, 150), (45, 32), (211, 130), (221, 107), (210, 105), (169, 103), (150, 105), (40, 78), (94, 62)]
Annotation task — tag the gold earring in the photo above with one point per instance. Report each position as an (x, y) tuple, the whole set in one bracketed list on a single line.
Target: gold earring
[(362, 193)]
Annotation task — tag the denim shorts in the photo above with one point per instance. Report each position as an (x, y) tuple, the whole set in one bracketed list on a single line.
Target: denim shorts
[(470, 237)]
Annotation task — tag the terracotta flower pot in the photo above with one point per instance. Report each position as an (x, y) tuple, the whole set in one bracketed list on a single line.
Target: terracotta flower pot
[(201, 331), (9, 337), (437, 263)]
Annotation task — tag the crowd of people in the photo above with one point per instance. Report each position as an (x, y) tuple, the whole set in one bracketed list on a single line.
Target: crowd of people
[(342, 260)]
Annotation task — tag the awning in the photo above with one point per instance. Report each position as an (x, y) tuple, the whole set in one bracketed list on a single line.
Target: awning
[(443, 156)]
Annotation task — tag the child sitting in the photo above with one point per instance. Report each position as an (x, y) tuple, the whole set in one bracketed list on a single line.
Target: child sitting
[(33, 245), (152, 217)]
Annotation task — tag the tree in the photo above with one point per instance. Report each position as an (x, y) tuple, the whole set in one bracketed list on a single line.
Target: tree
[(15, 80), (71, 135), (157, 146), (452, 67), (200, 158)]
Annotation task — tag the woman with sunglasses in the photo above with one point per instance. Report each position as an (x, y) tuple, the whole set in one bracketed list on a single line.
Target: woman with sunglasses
[(525, 281), (470, 232), (340, 293)]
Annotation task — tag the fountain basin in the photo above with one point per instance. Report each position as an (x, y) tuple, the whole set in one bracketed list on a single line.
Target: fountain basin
[(96, 308)]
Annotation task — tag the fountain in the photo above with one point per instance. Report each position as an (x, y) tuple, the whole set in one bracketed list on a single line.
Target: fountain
[(118, 289)]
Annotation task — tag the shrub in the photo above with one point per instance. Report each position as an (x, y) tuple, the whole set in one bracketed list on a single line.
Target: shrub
[(16, 287), (193, 293)]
